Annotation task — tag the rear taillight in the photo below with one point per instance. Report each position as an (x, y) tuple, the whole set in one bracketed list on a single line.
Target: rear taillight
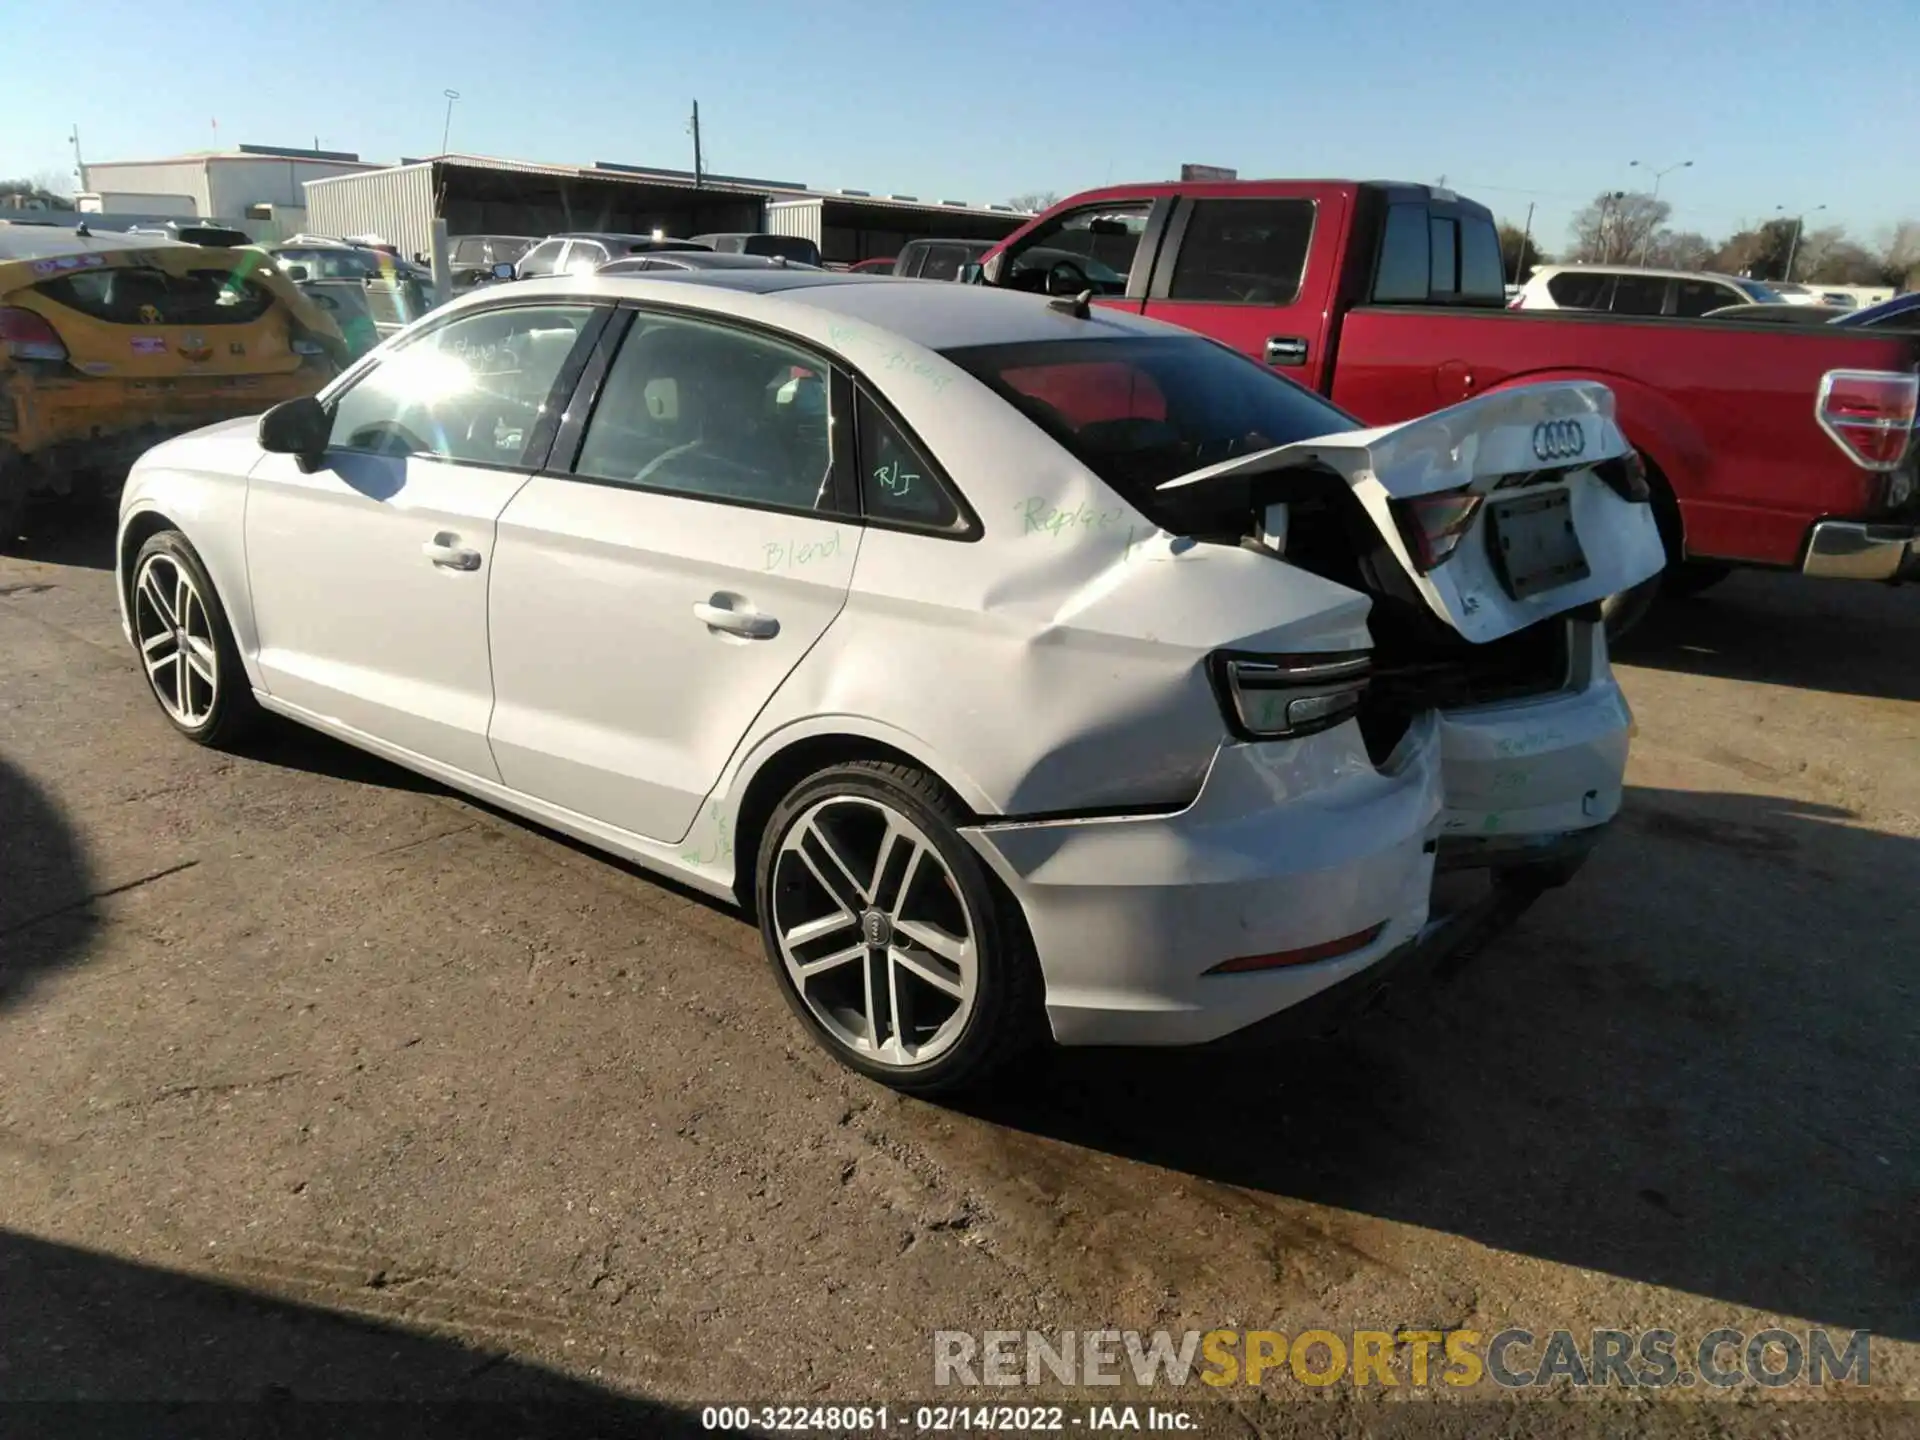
[(27, 336), (1626, 476), (1282, 697), (1432, 525), (1869, 414)]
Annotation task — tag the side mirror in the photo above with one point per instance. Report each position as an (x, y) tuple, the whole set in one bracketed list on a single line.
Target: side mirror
[(298, 428), (503, 271), (296, 273)]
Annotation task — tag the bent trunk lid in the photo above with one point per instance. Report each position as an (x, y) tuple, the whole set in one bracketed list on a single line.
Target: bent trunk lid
[(1548, 534)]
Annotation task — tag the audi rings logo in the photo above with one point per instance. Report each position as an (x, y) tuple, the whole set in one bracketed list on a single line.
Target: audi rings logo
[(1558, 439)]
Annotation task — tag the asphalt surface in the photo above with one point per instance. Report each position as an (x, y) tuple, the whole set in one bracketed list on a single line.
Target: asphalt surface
[(318, 1081)]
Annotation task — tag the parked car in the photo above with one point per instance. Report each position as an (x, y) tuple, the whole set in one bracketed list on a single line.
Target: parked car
[(1033, 670), (585, 251), (1635, 290), (687, 260), (1780, 446), (369, 292), (880, 265), (938, 259), (1902, 312), (110, 342), (474, 259), (741, 242)]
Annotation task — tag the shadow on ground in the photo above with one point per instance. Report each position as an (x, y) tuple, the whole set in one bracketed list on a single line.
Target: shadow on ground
[(46, 888), (66, 533), (1694, 1067), (1845, 637), (205, 1359)]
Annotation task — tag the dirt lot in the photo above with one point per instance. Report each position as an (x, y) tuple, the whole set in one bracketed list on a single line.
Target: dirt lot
[(295, 1035)]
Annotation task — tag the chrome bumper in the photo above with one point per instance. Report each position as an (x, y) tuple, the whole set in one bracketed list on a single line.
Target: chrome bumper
[(1849, 550)]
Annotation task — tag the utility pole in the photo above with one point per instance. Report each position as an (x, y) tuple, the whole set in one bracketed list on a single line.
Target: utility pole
[(447, 129), (1526, 239), (1793, 245), (79, 165), (694, 126)]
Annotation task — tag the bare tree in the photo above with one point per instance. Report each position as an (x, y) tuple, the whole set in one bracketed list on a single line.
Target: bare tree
[(1680, 250), (1900, 251), (1842, 262), (57, 183), (1034, 201), (1617, 226)]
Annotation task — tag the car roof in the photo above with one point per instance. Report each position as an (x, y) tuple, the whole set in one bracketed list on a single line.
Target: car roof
[(1541, 272), (43, 242), (692, 259), (935, 314)]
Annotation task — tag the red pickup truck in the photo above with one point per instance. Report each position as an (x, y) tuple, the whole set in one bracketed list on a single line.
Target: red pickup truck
[(1787, 447)]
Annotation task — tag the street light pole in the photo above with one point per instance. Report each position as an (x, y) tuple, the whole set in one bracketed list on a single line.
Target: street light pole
[(447, 129), (1793, 245), (1658, 175)]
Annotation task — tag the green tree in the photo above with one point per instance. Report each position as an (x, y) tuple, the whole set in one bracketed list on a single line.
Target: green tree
[(1518, 262)]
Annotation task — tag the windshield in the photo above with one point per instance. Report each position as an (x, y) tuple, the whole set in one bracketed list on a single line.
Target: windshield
[(1762, 294), (1140, 410)]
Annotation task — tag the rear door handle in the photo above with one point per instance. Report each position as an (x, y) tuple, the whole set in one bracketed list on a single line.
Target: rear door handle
[(445, 551), (732, 619), (1286, 350)]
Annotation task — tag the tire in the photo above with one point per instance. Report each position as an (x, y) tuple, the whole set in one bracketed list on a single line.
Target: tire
[(927, 1038), (13, 503), (218, 709), (1623, 611), (1694, 577)]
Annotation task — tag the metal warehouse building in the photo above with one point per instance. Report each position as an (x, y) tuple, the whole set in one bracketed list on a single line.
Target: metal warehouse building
[(480, 195), (225, 184)]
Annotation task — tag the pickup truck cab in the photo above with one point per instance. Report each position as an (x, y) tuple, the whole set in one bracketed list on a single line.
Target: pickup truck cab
[(1775, 446)]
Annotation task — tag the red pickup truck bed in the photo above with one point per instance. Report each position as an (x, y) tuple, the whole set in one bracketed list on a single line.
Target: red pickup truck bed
[(1767, 445)]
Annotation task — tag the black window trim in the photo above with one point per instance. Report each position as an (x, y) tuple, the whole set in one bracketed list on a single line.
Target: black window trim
[(1160, 285), (565, 381)]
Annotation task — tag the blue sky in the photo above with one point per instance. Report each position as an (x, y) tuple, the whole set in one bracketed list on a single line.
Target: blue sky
[(1778, 104)]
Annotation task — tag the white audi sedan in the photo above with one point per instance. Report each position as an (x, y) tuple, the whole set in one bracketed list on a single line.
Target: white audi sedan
[(1026, 669)]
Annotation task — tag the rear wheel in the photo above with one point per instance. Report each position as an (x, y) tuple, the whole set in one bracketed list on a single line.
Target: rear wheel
[(1623, 611), (186, 646), (13, 501), (889, 937)]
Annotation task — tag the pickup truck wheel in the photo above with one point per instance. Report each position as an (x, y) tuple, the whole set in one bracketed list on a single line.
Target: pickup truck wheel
[(13, 503), (1623, 611)]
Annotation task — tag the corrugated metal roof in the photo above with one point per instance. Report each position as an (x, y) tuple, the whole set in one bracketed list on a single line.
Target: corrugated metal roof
[(891, 202)]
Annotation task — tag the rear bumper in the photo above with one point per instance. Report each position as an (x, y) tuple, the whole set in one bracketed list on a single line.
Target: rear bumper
[(1853, 550), (1288, 846)]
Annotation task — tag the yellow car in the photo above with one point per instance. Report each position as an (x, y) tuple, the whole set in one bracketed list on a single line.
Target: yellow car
[(111, 343)]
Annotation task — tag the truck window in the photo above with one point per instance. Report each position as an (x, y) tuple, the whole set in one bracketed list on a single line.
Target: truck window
[(1693, 298), (1404, 273), (1483, 275), (1098, 243), (1446, 255), (943, 262), (1581, 289), (1639, 295), (1243, 252)]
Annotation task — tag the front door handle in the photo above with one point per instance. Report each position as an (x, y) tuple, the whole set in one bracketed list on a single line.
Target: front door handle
[(1286, 350), (445, 551), (733, 619)]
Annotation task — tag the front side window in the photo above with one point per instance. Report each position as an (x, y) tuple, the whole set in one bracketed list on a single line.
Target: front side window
[(1090, 249), (1243, 252), (585, 257), (542, 259), (1694, 298), (709, 411), (470, 252), (942, 262), (1139, 411), (471, 390)]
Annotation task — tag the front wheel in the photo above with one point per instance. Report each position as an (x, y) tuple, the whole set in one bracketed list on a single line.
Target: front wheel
[(888, 936), (186, 646)]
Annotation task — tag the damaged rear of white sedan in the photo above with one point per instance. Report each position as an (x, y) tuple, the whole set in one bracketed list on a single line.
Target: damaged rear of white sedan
[(1027, 670)]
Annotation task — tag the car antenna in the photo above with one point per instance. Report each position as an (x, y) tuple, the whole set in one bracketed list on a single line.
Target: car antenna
[(1074, 305)]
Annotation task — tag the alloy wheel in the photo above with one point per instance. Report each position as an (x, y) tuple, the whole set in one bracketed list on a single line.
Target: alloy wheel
[(874, 932), (175, 633)]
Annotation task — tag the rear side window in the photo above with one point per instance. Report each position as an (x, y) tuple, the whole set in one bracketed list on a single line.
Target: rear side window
[(1483, 274), (1404, 272), (137, 295), (1639, 295), (896, 482), (1581, 289), (542, 258), (1444, 236), (1140, 411), (1243, 252)]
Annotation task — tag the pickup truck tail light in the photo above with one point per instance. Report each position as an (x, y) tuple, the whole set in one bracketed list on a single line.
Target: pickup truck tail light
[(1869, 414), (1283, 697), (1432, 525), (27, 336)]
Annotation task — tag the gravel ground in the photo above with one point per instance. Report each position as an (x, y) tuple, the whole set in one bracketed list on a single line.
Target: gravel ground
[(319, 1081)]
